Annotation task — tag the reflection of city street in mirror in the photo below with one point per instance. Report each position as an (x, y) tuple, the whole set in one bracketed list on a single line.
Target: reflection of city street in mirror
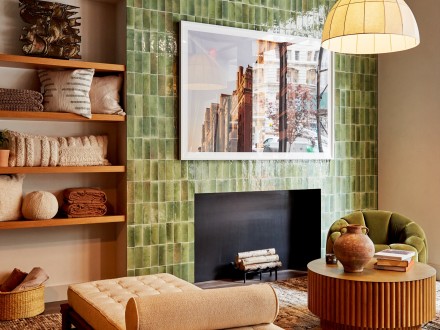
[(251, 92)]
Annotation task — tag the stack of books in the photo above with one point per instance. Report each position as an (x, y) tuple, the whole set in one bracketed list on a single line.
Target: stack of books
[(396, 260)]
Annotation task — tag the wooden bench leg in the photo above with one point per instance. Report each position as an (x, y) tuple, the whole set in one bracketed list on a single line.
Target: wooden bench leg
[(71, 318), (66, 321)]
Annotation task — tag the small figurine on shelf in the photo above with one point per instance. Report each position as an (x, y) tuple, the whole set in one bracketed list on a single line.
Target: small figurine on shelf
[(4, 151), (53, 32)]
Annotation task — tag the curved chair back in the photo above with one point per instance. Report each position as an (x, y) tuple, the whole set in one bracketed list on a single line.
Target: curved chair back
[(386, 230)]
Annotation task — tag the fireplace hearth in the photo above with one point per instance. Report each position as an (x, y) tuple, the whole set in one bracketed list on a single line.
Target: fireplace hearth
[(227, 223)]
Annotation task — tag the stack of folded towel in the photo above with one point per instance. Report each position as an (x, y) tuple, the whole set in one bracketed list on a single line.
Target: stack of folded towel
[(84, 202), (20, 100)]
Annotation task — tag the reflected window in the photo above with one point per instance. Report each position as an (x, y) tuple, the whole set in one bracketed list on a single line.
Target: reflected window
[(311, 77), (292, 76)]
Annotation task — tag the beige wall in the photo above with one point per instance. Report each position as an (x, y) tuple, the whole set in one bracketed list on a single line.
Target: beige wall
[(74, 253), (409, 128)]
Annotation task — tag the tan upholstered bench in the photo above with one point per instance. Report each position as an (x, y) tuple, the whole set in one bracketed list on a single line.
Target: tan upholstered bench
[(164, 301)]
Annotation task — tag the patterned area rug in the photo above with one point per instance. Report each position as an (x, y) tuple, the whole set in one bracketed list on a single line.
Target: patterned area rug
[(294, 314), (292, 295), (40, 322)]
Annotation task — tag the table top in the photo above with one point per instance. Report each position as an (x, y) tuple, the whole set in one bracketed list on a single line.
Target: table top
[(418, 272)]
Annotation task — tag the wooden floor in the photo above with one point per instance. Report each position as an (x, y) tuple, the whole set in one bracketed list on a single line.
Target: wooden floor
[(54, 307)]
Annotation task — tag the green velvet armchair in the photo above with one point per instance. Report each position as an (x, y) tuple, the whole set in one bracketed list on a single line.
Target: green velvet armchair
[(386, 230)]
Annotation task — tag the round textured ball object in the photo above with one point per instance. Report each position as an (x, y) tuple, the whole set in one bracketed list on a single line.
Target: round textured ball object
[(39, 205)]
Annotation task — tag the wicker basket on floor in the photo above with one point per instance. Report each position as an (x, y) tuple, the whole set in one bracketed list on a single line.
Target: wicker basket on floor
[(22, 304)]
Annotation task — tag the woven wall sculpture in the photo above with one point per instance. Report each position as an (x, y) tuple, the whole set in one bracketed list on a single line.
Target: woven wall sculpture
[(52, 30)]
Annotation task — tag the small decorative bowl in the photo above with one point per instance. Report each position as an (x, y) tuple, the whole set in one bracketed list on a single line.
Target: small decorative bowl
[(330, 259)]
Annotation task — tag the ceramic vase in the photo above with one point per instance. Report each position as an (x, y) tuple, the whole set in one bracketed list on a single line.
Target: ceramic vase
[(4, 157), (354, 248)]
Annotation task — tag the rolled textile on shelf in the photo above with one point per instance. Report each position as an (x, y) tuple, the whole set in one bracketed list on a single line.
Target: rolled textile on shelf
[(84, 210), (261, 266), (256, 253), (259, 260), (84, 195)]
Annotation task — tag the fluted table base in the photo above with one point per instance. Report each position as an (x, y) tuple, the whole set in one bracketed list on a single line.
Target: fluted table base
[(373, 299)]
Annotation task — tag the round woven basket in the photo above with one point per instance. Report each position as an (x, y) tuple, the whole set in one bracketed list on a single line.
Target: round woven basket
[(22, 304)]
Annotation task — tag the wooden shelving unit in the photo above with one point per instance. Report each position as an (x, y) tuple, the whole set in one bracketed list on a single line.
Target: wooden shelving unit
[(35, 63), (20, 224), (62, 169), (29, 62), (58, 116)]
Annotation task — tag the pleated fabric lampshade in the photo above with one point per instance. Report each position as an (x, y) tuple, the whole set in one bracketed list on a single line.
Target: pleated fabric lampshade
[(370, 27)]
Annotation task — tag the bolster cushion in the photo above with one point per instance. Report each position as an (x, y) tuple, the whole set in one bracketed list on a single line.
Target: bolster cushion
[(205, 309)]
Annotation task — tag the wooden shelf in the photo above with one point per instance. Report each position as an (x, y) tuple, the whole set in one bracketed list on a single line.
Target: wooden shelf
[(30, 62), (20, 224), (63, 169), (57, 116)]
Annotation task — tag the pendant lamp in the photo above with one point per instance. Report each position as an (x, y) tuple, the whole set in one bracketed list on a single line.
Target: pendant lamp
[(370, 27)]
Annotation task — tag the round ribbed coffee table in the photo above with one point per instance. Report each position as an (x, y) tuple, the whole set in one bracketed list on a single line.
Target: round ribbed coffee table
[(372, 299)]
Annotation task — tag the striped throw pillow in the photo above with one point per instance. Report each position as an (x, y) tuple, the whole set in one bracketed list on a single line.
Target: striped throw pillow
[(67, 90)]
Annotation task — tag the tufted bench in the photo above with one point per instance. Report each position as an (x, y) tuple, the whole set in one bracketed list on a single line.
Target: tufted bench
[(164, 301)]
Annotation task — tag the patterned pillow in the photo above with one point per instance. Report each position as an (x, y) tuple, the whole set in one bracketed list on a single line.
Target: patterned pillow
[(104, 95), (67, 90), (33, 150), (39, 150)]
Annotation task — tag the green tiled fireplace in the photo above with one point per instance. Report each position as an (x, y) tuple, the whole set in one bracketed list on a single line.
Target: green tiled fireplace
[(161, 188)]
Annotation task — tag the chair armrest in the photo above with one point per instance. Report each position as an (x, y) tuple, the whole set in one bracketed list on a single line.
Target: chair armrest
[(414, 236)]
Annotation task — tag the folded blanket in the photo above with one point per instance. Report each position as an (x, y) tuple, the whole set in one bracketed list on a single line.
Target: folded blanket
[(84, 195), (23, 95), (84, 210), (10, 106)]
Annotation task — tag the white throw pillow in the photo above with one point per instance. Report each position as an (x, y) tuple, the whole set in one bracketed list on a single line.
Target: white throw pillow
[(11, 196), (104, 95), (83, 150), (67, 90)]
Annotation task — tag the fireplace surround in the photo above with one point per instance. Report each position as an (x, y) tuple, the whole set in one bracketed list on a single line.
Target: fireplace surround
[(228, 223)]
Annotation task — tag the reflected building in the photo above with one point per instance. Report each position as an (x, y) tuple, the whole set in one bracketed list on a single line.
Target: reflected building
[(301, 70), (239, 122), (227, 125), (242, 109), (209, 128)]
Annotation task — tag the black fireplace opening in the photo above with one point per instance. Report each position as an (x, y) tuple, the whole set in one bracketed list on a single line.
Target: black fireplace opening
[(228, 223)]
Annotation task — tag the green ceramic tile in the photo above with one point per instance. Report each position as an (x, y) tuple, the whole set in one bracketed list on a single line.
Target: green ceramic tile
[(348, 182), (162, 233), (161, 191), (138, 214), (177, 253)]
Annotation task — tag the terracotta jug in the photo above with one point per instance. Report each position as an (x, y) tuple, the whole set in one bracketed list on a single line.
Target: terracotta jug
[(354, 248)]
